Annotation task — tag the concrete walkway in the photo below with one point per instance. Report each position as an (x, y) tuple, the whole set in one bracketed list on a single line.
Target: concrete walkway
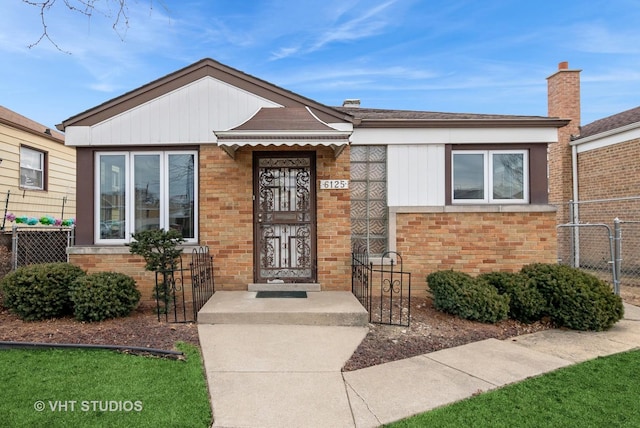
[(289, 375)]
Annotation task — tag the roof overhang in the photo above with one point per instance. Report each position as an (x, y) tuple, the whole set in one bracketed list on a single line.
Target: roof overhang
[(461, 123), (231, 141), (283, 126)]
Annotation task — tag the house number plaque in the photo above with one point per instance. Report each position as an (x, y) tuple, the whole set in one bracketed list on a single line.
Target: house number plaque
[(334, 184)]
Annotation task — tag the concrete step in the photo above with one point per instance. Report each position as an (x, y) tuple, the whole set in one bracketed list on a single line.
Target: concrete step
[(327, 308)]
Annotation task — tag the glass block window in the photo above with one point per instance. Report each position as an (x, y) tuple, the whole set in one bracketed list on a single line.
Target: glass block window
[(369, 214)]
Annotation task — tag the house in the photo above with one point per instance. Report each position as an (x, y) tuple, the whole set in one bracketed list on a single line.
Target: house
[(282, 188), (37, 172), (595, 176)]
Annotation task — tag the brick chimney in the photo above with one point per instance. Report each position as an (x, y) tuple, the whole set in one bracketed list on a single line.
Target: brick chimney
[(563, 98)]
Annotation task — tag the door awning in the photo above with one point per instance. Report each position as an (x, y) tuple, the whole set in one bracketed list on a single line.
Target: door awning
[(283, 126)]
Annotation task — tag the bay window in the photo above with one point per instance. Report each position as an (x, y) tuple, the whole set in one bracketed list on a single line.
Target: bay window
[(145, 190), (490, 176)]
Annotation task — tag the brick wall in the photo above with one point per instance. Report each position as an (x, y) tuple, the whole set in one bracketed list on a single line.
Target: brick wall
[(334, 222), (118, 261), (610, 172), (226, 217), (473, 242)]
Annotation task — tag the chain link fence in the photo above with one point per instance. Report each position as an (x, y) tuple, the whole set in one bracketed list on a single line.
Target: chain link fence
[(34, 245), (603, 238), (35, 227)]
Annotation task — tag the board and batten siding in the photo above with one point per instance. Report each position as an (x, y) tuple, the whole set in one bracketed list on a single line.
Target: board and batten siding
[(186, 115), (415, 175)]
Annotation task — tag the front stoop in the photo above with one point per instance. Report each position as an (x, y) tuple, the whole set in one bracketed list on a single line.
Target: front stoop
[(323, 308)]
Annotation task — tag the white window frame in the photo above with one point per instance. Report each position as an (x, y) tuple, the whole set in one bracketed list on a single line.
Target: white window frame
[(24, 150), (488, 177), (129, 190)]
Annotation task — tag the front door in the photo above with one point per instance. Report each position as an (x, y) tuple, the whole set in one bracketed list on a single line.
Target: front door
[(284, 216)]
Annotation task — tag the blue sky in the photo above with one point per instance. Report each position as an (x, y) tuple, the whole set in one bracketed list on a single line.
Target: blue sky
[(490, 56)]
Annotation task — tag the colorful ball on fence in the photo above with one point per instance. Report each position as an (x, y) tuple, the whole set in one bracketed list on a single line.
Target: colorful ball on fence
[(22, 219), (47, 220), (32, 221), (10, 216)]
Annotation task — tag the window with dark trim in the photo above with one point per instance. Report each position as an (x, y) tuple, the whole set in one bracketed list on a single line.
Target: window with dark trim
[(490, 176), (32, 169)]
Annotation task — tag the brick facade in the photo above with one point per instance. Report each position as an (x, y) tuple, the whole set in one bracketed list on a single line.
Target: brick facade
[(473, 242), (226, 224)]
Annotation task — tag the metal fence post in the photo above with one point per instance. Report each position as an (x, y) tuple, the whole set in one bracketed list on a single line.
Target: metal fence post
[(14, 246), (6, 209), (575, 238), (617, 251)]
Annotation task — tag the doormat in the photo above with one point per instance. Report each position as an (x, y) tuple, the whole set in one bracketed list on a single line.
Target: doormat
[(282, 294)]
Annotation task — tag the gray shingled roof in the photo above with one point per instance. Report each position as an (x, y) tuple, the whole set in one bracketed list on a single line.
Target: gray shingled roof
[(383, 114), (612, 122)]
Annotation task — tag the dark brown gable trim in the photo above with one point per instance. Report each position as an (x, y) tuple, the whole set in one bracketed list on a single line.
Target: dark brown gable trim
[(204, 68), (538, 185)]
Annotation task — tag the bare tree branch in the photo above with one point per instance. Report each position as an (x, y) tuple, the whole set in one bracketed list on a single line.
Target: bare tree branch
[(115, 9)]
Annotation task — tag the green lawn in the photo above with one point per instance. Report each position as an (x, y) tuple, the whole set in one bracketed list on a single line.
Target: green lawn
[(599, 393), (97, 388)]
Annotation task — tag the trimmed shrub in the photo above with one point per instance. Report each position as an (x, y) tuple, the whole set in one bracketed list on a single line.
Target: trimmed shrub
[(575, 299), (104, 295), (41, 291), (526, 303), (459, 294)]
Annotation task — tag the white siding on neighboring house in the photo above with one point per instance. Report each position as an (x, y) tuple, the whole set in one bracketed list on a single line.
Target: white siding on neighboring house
[(187, 115), (415, 175), (609, 138)]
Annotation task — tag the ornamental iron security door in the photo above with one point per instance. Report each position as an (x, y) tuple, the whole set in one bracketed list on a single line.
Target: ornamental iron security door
[(284, 217)]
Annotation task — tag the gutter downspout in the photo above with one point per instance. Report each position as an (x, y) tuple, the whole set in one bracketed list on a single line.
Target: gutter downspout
[(575, 214)]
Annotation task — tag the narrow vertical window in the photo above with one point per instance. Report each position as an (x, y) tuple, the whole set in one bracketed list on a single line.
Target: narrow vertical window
[(181, 194), (112, 207), (146, 205), (368, 186)]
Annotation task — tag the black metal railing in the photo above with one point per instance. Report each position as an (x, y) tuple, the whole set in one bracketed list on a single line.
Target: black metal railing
[(383, 289), (181, 292)]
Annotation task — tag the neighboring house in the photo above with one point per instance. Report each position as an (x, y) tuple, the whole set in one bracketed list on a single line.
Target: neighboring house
[(37, 171), (597, 168), (607, 155), (282, 188)]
